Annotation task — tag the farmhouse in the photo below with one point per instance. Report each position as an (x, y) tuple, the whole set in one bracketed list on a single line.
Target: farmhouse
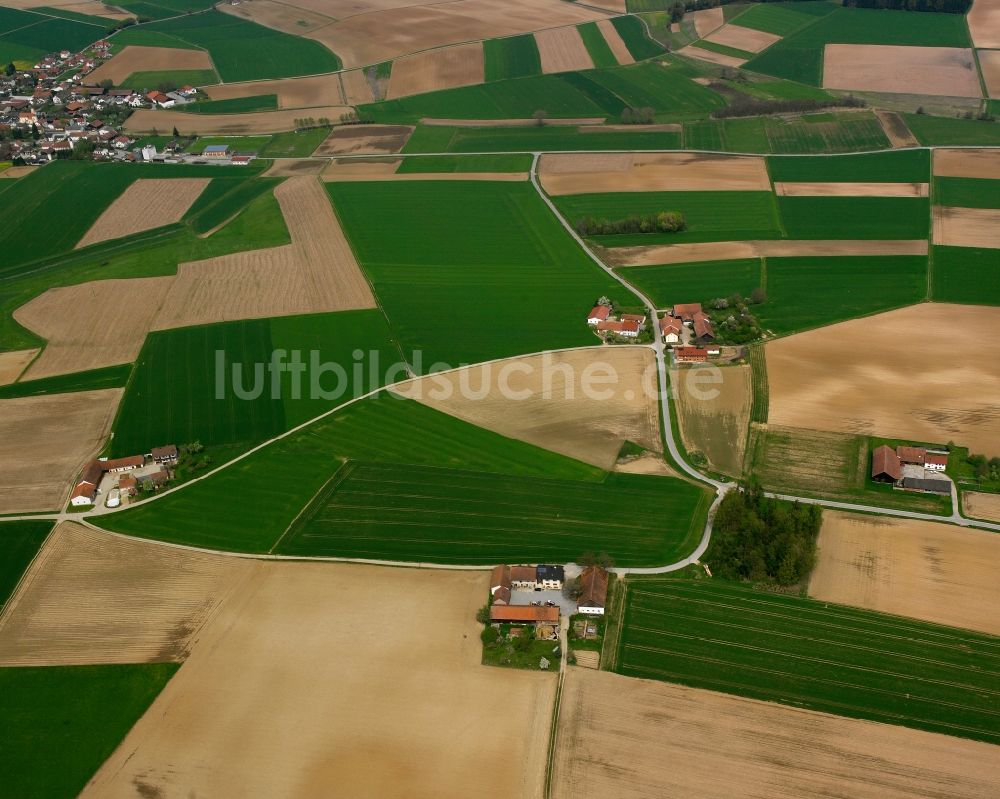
[(86, 488), (593, 583), (625, 329), (549, 577), (688, 311), (598, 314), (690, 355), (886, 465), (544, 577), (164, 454), (911, 468), (670, 329), (500, 585), (216, 151), (121, 464)]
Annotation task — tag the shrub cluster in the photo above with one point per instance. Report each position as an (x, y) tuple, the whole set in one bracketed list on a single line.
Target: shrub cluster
[(983, 468), (939, 6), (638, 116), (744, 106), (663, 222)]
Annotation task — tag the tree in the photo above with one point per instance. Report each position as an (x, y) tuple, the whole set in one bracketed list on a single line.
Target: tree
[(489, 636), (758, 296), (176, 134), (11, 69), (677, 11), (107, 83), (483, 615), (540, 115)]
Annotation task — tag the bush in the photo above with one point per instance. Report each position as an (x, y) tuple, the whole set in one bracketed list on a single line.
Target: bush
[(489, 636), (663, 222), (483, 615)]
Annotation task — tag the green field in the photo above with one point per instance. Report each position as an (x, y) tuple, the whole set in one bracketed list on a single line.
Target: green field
[(855, 217), (459, 256), (224, 198), (782, 648), (465, 163), (62, 722), (237, 105), (107, 377), (144, 37), (633, 33), (294, 144), (19, 541), (967, 192), (894, 166), (175, 395), (148, 81), (239, 144), (30, 36), (931, 131), (782, 19), (800, 56), (810, 133), (513, 57), (808, 292), (597, 46), (438, 139), (458, 516), (966, 275), (700, 282)]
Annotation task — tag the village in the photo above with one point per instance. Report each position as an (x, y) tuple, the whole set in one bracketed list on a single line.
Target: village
[(908, 468), (685, 327), (119, 480)]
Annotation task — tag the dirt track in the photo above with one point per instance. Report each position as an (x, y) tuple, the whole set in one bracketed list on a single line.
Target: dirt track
[(562, 50), (753, 41), (637, 739), (653, 255), (969, 163), (146, 120), (967, 227), (940, 71), (148, 59), (850, 189), (312, 680), (447, 68), (13, 363), (925, 570)]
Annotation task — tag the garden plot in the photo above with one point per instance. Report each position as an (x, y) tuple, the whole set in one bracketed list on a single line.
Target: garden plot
[(981, 506), (971, 163), (850, 189), (940, 71), (146, 120), (657, 254), (148, 59), (615, 41), (714, 414), (365, 140), (748, 39), (13, 363), (447, 68), (984, 23), (967, 227), (316, 90), (562, 50)]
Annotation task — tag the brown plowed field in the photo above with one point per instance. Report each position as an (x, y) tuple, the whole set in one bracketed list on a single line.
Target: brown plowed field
[(13, 363), (447, 68), (850, 189), (357, 89), (984, 23), (317, 90), (14, 172), (895, 129), (713, 406), (967, 227), (290, 167), (706, 20), (586, 173), (383, 35), (566, 418), (971, 163), (145, 205), (989, 63), (372, 139), (834, 379), (281, 16), (148, 59), (317, 272), (45, 442), (145, 120), (638, 739), (614, 40), (981, 506), (360, 170), (313, 681), (937, 572), (617, 6), (656, 254), (342, 9), (713, 57), (93, 597), (753, 41), (95, 324), (562, 50), (941, 71)]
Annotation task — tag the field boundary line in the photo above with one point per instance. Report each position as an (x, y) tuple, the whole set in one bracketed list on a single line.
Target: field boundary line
[(338, 476)]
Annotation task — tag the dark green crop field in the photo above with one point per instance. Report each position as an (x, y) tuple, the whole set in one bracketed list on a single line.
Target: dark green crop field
[(783, 19), (513, 57), (19, 541), (439, 515), (967, 192), (728, 637), (931, 130), (633, 33), (811, 133), (855, 217), (967, 275), (62, 722), (597, 46), (236, 105), (699, 282), (484, 251), (465, 163), (30, 36), (92, 380), (147, 81), (893, 166)]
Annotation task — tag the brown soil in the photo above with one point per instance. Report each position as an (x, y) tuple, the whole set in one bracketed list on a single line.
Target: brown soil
[(967, 163), (447, 68), (562, 50), (617, 6), (967, 227), (989, 63), (13, 363), (145, 205), (317, 272), (981, 506), (312, 680), (834, 379), (89, 7), (45, 442), (895, 129), (357, 89), (636, 739), (752, 41), (289, 167), (716, 426), (318, 90), (706, 20), (713, 57), (357, 139), (925, 570), (17, 171), (984, 23), (145, 120), (589, 428), (148, 59), (939, 71), (360, 170), (280, 16), (654, 255), (615, 41), (383, 35), (342, 9), (93, 597), (650, 463), (587, 173), (95, 324), (512, 123), (850, 189)]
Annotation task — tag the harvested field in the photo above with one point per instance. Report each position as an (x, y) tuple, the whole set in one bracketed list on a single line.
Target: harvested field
[(981, 506), (617, 6), (13, 172), (932, 571), (706, 20), (589, 173), (850, 189), (146, 120), (316, 90), (939, 71), (289, 167), (654, 255), (373, 139), (633, 738), (61, 432), (145, 205), (967, 227), (317, 272), (614, 40), (280, 16), (447, 68), (93, 597), (712, 56), (149, 59), (833, 379), (562, 50), (90, 325), (984, 23), (753, 41), (650, 463), (989, 63), (716, 426), (971, 163), (895, 129), (369, 705), (542, 400), (13, 363), (356, 169), (382, 35), (357, 89)]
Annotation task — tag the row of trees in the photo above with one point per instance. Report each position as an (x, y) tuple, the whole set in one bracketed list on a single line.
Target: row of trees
[(663, 222), (938, 6), (741, 105), (763, 540)]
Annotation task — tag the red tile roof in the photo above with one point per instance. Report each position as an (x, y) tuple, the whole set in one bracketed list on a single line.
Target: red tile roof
[(911, 454), (885, 461), (524, 613), (599, 312), (691, 354), (931, 459), (703, 328), (594, 582), (686, 311), (523, 574)]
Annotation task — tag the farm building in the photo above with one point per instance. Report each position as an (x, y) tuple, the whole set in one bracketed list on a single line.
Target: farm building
[(598, 314), (930, 459), (216, 151), (500, 585), (524, 614), (593, 582), (691, 355), (86, 488), (154, 479), (670, 329), (928, 484), (127, 484), (121, 464), (164, 454), (686, 311), (625, 329), (703, 329), (544, 577), (549, 577), (886, 465), (522, 578)]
